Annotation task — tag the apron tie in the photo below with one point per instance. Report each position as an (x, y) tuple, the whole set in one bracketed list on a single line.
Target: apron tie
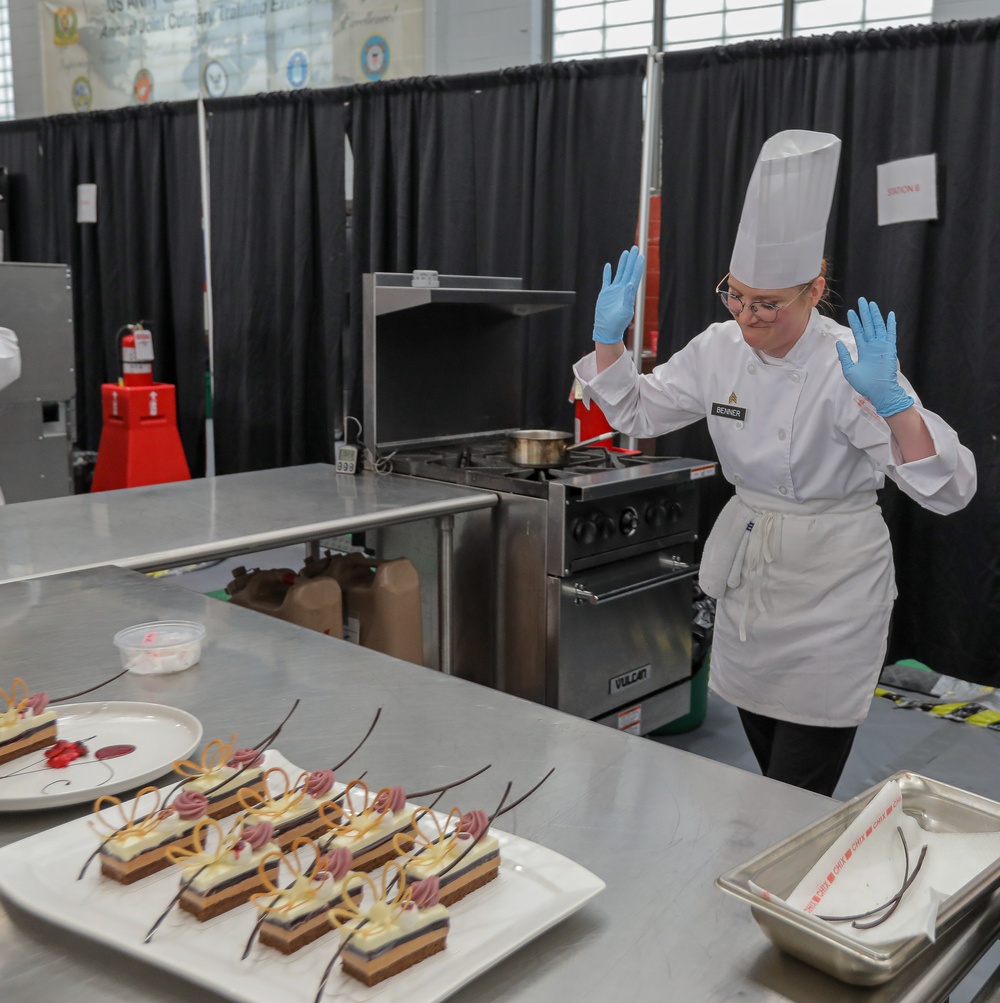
[(755, 553)]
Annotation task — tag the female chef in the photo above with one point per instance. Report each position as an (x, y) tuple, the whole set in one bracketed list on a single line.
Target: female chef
[(808, 418)]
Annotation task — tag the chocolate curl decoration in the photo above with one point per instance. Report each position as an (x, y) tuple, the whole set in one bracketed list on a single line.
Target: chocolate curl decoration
[(15, 702), (434, 847), (214, 757), (260, 745), (385, 909), (274, 804), (90, 689), (200, 855), (263, 743), (133, 822), (371, 728), (335, 865), (352, 820)]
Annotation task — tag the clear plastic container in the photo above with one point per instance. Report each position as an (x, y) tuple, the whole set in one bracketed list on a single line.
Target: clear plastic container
[(160, 647)]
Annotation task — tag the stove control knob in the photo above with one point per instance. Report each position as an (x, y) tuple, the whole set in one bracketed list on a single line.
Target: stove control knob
[(656, 514), (605, 527), (629, 522), (585, 531), (676, 512)]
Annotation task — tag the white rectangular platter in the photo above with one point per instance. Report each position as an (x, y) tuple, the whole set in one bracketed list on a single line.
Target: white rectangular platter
[(535, 889)]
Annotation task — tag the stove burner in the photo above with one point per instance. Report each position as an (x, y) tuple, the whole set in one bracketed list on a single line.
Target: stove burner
[(492, 458)]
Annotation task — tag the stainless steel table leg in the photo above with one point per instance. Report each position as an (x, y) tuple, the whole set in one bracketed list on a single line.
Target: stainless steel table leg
[(446, 526)]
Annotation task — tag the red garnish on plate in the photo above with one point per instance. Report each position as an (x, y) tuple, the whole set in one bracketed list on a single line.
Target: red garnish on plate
[(114, 751), (64, 752)]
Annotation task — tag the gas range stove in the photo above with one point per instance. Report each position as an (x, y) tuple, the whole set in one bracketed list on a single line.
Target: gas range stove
[(602, 504), (590, 472)]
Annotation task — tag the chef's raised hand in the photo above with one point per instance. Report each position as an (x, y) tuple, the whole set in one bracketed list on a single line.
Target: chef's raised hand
[(874, 375), (616, 300)]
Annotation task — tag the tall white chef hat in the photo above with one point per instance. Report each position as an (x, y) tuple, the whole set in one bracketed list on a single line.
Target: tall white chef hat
[(783, 226)]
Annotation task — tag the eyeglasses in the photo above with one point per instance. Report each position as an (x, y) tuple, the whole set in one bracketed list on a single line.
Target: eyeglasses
[(767, 312)]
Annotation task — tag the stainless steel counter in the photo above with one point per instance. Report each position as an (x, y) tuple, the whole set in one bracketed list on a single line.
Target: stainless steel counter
[(165, 525), (658, 825)]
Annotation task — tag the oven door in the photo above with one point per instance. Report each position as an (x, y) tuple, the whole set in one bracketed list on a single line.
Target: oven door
[(619, 633)]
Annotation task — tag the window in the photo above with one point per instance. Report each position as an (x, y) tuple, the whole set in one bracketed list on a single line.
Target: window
[(586, 29), (6, 69)]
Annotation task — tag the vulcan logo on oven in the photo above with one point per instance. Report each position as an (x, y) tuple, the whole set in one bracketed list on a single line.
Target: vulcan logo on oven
[(628, 679)]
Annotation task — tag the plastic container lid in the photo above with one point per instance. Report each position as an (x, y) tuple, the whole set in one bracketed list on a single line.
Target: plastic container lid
[(160, 646)]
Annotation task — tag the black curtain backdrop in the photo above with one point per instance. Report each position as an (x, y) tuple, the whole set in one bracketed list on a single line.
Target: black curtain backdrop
[(531, 172), (278, 260), (888, 95), (142, 260), (21, 154)]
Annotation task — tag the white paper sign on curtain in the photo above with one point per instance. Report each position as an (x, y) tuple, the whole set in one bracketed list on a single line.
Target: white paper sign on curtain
[(907, 190), (100, 54)]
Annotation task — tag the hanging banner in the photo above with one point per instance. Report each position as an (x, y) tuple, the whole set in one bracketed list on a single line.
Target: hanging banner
[(100, 54)]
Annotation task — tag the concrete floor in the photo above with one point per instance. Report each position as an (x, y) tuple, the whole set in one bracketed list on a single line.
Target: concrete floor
[(890, 740)]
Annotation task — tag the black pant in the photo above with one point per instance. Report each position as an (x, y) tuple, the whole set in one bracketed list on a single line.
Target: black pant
[(804, 755)]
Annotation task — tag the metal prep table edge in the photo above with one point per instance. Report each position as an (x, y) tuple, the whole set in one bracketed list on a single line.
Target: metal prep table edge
[(166, 525)]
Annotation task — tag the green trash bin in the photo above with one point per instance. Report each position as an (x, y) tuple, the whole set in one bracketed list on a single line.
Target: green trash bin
[(699, 703)]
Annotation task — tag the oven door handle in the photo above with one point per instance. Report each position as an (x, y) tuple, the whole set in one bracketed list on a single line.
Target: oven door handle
[(579, 594)]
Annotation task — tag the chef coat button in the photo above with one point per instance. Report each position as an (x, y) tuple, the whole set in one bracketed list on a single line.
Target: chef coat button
[(781, 433), (782, 490), (794, 377), (737, 479), (738, 424), (751, 369)]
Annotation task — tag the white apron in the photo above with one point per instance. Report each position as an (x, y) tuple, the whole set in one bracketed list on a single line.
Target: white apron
[(805, 592)]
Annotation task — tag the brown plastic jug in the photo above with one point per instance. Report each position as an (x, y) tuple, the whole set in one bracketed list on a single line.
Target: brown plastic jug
[(381, 601), (315, 603)]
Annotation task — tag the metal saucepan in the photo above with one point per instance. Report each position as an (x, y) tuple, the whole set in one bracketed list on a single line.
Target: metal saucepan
[(541, 447)]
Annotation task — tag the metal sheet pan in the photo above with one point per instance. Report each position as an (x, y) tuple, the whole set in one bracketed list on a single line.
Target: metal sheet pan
[(936, 806)]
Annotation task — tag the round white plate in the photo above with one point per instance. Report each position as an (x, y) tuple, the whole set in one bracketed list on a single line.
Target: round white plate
[(160, 736)]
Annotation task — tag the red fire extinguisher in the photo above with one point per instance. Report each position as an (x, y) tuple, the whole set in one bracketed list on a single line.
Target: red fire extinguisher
[(136, 356)]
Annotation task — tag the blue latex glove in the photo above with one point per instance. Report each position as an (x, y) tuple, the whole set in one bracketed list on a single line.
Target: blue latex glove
[(616, 300), (874, 374)]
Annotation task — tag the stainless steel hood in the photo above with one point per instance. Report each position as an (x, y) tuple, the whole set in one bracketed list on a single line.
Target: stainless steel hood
[(445, 363), (394, 291)]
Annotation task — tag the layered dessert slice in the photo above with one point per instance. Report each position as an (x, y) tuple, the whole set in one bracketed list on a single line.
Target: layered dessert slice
[(394, 933), (225, 771), (294, 810), (463, 854), (26, 723), (374, 828), (299, 913), (138, 847), (220, 877)]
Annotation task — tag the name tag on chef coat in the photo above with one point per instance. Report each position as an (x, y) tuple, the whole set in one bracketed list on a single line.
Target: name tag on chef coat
[(729, 411)]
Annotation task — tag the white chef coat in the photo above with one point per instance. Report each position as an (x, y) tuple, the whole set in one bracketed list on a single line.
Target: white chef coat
[(803, 611), (10, 362)]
